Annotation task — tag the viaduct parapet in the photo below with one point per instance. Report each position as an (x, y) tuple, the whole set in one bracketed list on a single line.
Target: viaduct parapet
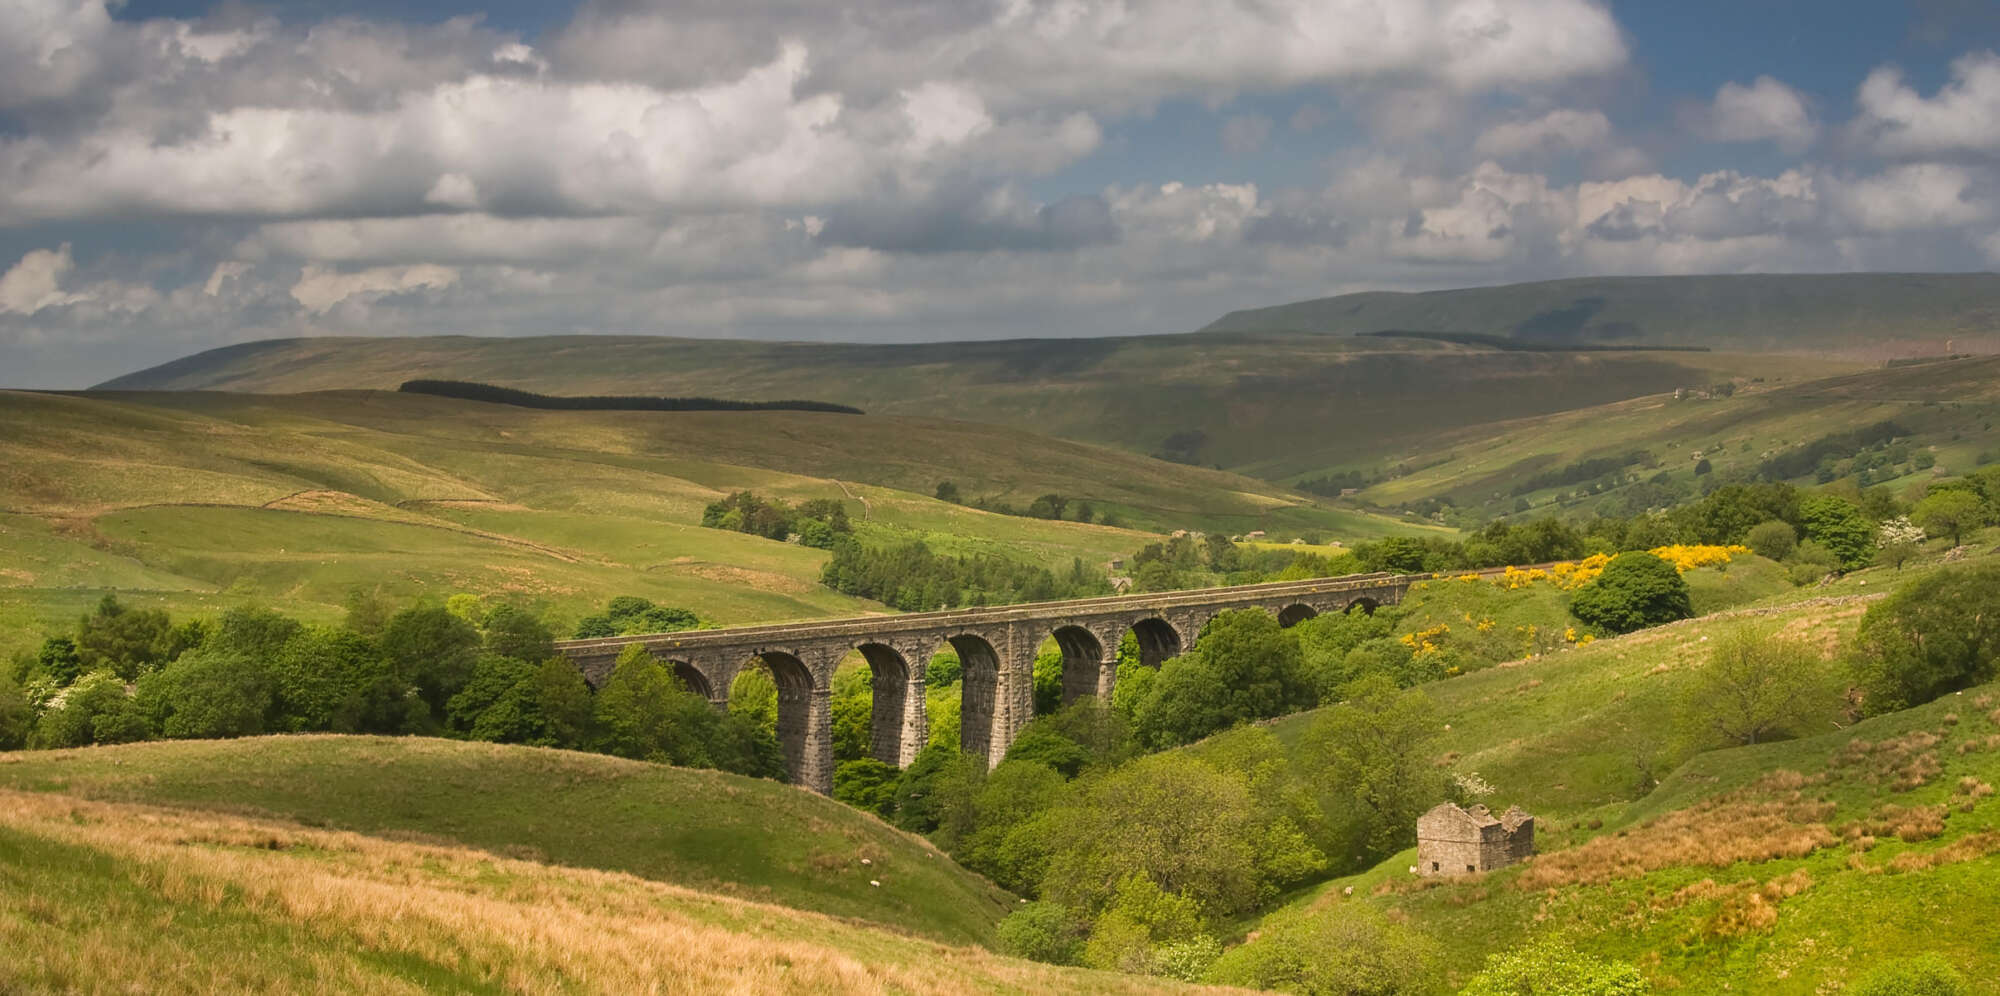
[(996, 648)]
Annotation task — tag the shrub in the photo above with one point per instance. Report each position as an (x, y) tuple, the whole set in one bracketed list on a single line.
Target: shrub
[(1383, 656), (1099, 733), (549, 706), (1936, 634), (59, 660), (1773, 539), (1044, 932), (1811, 562), (1007, 840), (335, 679), (1349, 949), (433, 650), (1186, 960), (1551, 968), (1636, 590), (1838, 525), (921, 795), (516, 633), (95, 710), (1169, 818), (944, 669), (1141, 918), (1245, 667), (1042, 745), (866, 784), (644, 712), (128, 642), (1927, 974), (206, 694), (626, 614), (1326, 643)]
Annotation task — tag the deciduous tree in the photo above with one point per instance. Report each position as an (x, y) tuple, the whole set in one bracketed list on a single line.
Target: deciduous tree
[(1950, 513), (1752, 688), (1378, 747), (1936, 634)]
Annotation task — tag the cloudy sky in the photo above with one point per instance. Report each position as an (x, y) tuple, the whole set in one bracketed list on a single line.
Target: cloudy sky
[(179, 174)]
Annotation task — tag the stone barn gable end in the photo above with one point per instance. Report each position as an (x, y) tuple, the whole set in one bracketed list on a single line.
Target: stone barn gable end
[(1457, 841)]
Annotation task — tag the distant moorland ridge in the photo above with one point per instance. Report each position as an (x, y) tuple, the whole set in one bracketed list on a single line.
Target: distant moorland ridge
[(1877, 315)]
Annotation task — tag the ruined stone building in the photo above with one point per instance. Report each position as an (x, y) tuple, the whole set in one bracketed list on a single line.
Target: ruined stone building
[(1455, 841)]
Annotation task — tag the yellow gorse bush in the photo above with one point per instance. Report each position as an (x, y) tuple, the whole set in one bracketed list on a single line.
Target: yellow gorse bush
[(1570, 575), (1426, 641), (1573, 574), (1686, 557)]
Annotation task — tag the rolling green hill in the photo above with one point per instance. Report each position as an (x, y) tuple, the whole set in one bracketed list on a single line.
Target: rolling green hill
[(196, 501), (705, 830), (396, 866), (1945, 412), (1267, 404), (1871, 315)]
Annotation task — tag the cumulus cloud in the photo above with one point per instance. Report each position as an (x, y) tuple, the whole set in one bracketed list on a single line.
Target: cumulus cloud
[(1766, 110), (35, 282), (1964, 115), (49, 48), (1915, 196), (1555, 133), (320, 288), (507, 143), (972, 220), (767, 105), (1107, 55)]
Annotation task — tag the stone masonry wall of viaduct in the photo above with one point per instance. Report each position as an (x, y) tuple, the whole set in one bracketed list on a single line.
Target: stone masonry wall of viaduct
[(996, 647)]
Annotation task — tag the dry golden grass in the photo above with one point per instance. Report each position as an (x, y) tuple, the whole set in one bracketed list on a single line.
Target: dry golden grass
[(1746, 907), (1967, 848), (1903, 763), (1746, 825), (1989, 742), (1908, 824), (354, 904)]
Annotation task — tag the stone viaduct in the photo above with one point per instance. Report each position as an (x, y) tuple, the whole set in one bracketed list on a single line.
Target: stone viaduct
[(996, 647)]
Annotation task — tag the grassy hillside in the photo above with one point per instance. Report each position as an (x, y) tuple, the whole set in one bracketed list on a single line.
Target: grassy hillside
[(1949, 410), (1240, 401), (197, 501), (1871, 315), (1782, 868), (705, 830), (117, 898)]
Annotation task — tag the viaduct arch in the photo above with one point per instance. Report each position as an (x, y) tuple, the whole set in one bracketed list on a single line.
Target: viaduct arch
[(996, 647)]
